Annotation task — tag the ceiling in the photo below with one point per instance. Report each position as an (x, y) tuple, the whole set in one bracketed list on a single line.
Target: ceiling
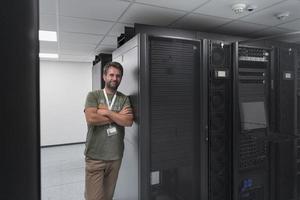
[(88, 27)]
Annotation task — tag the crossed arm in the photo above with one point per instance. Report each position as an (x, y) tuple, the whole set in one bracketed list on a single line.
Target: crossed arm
[(103, 116)]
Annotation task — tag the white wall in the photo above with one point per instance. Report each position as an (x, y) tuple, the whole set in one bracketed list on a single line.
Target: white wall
[(63, 89)]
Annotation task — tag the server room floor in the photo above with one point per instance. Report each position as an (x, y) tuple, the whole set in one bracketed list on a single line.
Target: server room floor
[(62, 172)]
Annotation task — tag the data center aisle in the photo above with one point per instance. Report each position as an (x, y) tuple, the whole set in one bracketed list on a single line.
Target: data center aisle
[(62, 172)]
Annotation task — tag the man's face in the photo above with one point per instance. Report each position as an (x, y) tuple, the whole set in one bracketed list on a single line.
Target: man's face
[(112, 78)]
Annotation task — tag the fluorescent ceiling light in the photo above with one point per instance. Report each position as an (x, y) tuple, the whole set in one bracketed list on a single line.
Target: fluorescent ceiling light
[(48, 36), (48, 55)]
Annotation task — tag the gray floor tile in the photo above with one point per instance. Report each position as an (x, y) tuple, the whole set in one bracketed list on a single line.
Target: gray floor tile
[(62, 171)]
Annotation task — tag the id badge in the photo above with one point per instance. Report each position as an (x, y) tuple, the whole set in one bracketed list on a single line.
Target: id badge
[(111, 131)]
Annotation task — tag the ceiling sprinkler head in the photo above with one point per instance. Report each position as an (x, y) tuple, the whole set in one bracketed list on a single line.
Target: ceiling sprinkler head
[(238, 8), (282, 16)]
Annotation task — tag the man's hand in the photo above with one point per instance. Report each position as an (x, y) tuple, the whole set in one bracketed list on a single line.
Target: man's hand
[(103, 111), (94, 118), (122, 118), (126, 111)]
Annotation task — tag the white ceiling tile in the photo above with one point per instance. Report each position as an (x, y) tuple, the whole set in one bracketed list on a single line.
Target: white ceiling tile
[(200, 22), (105, 49), (94, 9), (48, 22), (118, 29), (83, 24), (272, 31), (68, 24), (74, 52), (268, 16), (186, 5), (47, 7), (48, 47), (77, 47), (223, 8), (240, 28), (294, 25), (80, 38), (110, 40), (75, 58), (144, 14)]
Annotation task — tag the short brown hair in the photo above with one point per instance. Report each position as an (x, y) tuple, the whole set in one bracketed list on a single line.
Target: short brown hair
[(113, 64)]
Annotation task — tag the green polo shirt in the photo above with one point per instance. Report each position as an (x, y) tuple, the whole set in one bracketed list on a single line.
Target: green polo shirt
[(100, 146)]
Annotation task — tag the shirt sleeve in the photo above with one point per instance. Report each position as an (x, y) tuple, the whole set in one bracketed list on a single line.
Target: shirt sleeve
[(91, 100), (126, 102)]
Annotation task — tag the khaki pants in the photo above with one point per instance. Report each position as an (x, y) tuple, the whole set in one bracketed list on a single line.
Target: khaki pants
[(100, 178)]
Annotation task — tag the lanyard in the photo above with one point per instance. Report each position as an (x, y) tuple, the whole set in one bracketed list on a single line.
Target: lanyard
[(107, 102)]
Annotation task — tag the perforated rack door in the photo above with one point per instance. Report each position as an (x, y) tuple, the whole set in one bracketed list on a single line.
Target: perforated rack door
[(174, 118), (220, 120)]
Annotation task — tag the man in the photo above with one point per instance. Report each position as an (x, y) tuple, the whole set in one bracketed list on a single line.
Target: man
[(107, 112)]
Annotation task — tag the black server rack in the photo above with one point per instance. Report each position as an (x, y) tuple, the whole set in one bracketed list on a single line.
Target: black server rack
[(265, 153), (298, 123), (285, 148), (97, 70), (20, 168), (214, 121), (251, 127), (189, 120), (170, 128), (174, 118), (183, 108), (298, 90), (219, 120)]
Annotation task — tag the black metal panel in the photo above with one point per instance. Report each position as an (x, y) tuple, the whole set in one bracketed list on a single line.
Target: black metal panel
[(20, 118), (173, 103), (129, 33), (251, 108), (298, 90), (298, 124), (220, 120), (286, 150), (144, 119), (175, 117), (287, 90), (236, 129), (204, 171), (285, 170), (98, 64)]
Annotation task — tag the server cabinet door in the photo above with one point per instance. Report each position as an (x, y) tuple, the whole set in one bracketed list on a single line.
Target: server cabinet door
[(285, 149), (250, 149), (219, 120), (175, 121)]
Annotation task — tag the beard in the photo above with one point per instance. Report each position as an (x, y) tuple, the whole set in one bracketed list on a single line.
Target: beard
[(113, 85)]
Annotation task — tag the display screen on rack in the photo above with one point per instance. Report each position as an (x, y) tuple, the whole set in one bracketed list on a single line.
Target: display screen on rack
[(253, 115)]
